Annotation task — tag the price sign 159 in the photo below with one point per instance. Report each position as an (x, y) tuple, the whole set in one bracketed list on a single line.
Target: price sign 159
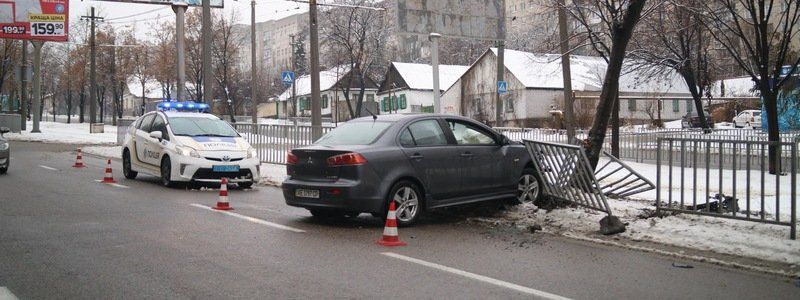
[(47, 29)]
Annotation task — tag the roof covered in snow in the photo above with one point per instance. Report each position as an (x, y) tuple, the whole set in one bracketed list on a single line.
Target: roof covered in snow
[(152, 89), (327, 80), (536, 70), (420, 76), (735, 87)]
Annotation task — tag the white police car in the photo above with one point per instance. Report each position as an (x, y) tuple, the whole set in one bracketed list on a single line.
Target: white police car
[(188, 147)]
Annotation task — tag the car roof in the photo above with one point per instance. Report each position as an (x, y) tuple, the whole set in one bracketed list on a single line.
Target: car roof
[(173, 114), (405, 117)]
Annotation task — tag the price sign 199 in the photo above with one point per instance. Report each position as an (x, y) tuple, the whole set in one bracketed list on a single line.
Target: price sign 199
[(47, 29)]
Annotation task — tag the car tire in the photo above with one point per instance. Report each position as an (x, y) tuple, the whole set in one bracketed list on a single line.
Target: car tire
[(166, 172), (326, 213), (3, 170), (126, 165), (529, 187), (246, 185), (409, 203)]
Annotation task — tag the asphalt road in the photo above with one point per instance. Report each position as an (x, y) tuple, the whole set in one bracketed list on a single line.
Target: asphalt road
[(63, 235)]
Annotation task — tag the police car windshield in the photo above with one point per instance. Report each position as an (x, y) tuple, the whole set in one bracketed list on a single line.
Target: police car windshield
[(188, 126)]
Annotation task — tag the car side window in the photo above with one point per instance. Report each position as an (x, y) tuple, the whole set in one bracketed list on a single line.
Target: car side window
[(406, 139), (147, 121), (427, 133), (160, 125), (467, 134)]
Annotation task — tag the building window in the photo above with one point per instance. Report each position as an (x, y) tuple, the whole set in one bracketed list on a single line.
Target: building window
[(509, 104), (402, 101), (676, 105), (689, 106), (371, 98), (631, 105), (324, 101), (385, 104)]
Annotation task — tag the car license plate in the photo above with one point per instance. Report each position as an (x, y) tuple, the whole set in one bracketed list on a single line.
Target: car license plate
[(303, 193), (230, 168)]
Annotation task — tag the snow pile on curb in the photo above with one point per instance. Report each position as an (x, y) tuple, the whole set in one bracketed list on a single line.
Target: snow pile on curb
[(66, 134), (272, 174), (104, 151), (740, 238)]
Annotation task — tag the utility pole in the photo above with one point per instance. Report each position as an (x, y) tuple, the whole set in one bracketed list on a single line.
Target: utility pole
[(92, 67), (37, 84), (501, 67), (23, 104), (437, 105), (316, 110), (206, 54), (180, 12), (294, 81), (253, 68), (566, 72)]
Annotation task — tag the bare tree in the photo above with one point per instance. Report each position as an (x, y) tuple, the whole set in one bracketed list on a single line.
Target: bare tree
[(163, 63), (674, 37), (356, 38), (758, 35), (608, 27), (225, 45)]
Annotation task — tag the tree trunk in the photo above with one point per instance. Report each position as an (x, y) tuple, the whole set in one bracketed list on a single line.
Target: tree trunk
[(615, 128), (81, 103), (620, 37), (773, 132), (697, 98)]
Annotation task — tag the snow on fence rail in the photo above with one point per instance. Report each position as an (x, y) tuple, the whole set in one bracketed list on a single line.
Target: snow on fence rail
[(728, 179)]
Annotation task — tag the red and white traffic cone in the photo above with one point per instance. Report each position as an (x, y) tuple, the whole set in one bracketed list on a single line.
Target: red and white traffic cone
[(79, 160), (222, 203), (109, 178), (390, 238)]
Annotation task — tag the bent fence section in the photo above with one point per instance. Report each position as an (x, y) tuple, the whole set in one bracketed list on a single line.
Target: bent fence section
[(566, 174), (728, 179), (273, 141)]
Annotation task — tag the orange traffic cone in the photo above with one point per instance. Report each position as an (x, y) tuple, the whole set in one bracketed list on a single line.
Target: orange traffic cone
[(222, 203), (79, 160), (109, 178), (390, 238)]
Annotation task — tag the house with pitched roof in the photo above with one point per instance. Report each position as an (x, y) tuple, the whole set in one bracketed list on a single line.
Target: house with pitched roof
[(408, 87)]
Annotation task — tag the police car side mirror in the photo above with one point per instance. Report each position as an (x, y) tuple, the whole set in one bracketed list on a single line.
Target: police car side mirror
[(156, 135)]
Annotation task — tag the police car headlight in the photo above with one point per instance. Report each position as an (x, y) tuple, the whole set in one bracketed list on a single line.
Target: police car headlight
[(187, 151), (3, 146), (252, 152)]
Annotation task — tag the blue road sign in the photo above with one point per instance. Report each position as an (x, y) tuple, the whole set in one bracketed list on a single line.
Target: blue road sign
[(502, 87), (287, 77)]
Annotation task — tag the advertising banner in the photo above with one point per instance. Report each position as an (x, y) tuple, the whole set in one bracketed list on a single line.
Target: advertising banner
[(214, 3), (43, 20)]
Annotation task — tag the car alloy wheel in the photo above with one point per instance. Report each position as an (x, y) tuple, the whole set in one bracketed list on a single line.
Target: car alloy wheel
[(166, 172), (126, 166), (527, 188), (407, 202)]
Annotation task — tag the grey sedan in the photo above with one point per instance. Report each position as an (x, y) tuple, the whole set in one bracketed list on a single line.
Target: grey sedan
[(5, 151), (420, 162)]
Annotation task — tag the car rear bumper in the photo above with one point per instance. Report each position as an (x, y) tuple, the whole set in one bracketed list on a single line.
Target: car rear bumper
[(344, 195)]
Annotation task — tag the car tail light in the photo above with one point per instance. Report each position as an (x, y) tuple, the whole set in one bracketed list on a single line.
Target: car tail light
[(291, 158), (347, 159)]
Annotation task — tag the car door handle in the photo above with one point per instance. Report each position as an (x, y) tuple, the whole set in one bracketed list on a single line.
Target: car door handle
[(416, 156), (466, 154)]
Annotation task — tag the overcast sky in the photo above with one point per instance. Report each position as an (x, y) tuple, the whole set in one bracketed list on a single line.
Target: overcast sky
[(122, 14)]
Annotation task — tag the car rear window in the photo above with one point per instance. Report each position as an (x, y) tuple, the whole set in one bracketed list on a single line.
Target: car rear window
[(354, 133), (756, 114)]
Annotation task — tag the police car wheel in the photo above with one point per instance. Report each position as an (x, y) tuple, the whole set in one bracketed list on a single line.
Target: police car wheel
[(166, 172), (246, 185), (3, 170), (126, 165)]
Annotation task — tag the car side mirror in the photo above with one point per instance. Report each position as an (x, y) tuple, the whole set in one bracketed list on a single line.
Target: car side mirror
[(504, 140), (156, 135), (4, 130)]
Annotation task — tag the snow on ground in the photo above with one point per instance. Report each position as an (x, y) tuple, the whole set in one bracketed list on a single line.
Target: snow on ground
[(272, 174), (61, 133), (739, 238), (104, 151)]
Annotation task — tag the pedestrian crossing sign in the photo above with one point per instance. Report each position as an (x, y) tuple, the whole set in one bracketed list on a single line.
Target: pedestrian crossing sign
[(287, 77), (502, 87)]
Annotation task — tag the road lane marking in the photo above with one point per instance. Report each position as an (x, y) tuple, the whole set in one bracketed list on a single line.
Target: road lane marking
[(500, 283), (48, 168), (5, 294), (251, 219), (113, 184)]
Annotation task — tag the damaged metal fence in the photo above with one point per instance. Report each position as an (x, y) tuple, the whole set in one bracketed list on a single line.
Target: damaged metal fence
[(273, 141), (618, 180), (728, 179), (567, 175)]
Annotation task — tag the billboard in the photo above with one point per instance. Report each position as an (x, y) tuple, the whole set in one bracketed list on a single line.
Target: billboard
[(214, 3), (43, 20), (470, 19)]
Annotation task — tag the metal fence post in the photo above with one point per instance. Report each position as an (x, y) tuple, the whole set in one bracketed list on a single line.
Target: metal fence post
[(793, 230)]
